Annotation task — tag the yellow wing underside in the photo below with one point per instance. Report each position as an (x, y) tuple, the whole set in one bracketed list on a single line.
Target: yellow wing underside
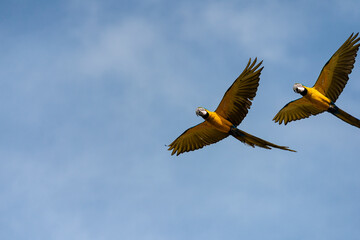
[(296, 110), (195, 138), (237, 99), (335, 74)]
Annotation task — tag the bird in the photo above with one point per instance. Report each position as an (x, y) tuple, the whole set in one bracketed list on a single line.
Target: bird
[(231, 110), (329, 85)]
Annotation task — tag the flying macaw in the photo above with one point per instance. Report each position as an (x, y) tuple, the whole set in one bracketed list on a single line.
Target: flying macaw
[(330, 83), (230, 112)]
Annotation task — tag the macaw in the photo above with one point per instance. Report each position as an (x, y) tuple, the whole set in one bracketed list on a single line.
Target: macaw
[(228, 115), (330, 83)]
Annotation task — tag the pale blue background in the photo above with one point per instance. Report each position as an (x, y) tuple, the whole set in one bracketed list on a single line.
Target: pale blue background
[(91, 91)]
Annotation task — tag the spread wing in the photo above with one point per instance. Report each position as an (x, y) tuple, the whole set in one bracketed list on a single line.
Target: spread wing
[(196, 137), (296, 110), (334, 75), (237, 99)]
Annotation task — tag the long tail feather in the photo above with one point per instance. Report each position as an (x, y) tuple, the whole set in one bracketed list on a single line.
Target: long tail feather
[(344, 116), (255, 141)]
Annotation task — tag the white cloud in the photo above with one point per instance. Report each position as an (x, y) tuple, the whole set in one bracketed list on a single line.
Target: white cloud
[(122, 48), (261, 29)]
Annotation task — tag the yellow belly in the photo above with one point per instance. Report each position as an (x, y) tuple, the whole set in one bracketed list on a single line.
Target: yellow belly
[(317, 99), (218, 122)]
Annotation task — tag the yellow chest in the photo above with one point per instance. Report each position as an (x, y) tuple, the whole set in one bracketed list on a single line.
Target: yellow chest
[(218, 122), (317, 99)]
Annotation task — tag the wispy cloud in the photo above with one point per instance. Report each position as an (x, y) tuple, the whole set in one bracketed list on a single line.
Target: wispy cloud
[(257, 29)]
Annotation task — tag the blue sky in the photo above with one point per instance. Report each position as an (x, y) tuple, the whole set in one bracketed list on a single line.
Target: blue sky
[(91, 91)]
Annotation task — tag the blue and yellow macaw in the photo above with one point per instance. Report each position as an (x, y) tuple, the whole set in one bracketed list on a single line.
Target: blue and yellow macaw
[(330, 83), (229, 114)]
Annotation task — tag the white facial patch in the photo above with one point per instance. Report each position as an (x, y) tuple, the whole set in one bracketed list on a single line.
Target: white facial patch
[(298, 88), (200, 111)]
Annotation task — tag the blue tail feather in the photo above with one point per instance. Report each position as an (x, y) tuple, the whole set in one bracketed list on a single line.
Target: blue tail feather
[(336, 111)]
